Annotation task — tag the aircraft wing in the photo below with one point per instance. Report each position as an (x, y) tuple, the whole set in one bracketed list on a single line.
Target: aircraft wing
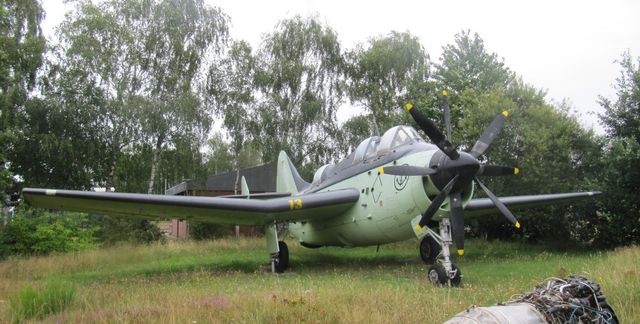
[(483, 206), (216, 210)]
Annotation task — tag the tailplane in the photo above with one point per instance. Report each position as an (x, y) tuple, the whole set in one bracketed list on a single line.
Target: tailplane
[(288, 178)]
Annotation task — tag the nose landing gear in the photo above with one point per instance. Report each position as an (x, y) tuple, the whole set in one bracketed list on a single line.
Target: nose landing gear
[(435, 247)]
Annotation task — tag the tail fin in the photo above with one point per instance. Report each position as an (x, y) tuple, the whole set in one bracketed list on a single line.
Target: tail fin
[(288, 178), (244, 187)]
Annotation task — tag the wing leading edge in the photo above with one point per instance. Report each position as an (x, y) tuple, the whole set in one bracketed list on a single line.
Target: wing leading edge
[(216, 210), (483, 206)]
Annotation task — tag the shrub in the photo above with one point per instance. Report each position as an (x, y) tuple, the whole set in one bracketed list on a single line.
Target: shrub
[(39, 232)]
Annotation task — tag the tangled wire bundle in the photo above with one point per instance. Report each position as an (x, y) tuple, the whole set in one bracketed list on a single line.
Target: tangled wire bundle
[(573, 300)]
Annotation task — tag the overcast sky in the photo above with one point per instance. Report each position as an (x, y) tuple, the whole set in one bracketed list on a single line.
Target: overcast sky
[(568, 48)]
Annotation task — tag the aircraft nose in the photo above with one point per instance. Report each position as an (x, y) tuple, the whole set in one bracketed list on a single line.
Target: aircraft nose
[(465, 167)]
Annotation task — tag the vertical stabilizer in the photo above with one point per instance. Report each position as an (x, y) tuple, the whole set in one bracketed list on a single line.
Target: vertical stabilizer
[(244, 187), (288, 178)]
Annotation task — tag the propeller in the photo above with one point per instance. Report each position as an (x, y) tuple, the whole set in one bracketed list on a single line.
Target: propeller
[(456, 169)]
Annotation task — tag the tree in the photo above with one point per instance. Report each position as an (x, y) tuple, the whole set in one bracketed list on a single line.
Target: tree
[(622, 117), (21, 48), (467, 65), (230, 86), (146, 58), (554, 153), (618, 220), (385, 75), (299, 75)]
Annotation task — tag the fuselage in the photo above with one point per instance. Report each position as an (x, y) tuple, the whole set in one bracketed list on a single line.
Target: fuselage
[(387, 204)]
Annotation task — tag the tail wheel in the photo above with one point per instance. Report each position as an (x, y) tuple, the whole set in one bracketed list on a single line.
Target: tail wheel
[(281, 262), (429, 249)]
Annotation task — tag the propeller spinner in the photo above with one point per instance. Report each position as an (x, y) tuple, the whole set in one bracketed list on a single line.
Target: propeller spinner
[(456, 170)]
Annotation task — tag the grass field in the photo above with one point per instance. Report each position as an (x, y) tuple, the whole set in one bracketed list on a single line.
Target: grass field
[(227, 281)]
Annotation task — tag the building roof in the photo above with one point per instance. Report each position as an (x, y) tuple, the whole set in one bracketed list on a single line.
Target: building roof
[(261, 178)]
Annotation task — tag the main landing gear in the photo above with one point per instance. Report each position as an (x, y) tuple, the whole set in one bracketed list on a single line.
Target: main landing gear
[(435, 248), (280, 260), (277, 249)]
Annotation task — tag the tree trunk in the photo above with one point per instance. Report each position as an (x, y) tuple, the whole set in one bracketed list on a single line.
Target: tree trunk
[(235, 191), (154, 163)]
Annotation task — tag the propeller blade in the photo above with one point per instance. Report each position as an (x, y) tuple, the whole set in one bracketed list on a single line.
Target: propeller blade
[(496, 170), (496, 202), (432, 131), (408, 170), (457, 221), (489, 135), (436, 203)]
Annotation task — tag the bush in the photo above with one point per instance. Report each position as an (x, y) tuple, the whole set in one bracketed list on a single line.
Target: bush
[(30, 303), (37, 232)]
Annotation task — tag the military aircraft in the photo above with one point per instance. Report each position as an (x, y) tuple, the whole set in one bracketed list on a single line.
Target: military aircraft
[(389, 189)]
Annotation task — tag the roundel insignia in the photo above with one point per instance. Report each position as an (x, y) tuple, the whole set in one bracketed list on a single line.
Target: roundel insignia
[(400, 182)]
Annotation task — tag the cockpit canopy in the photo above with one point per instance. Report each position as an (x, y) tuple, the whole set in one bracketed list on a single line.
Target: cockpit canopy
[(376, 145)]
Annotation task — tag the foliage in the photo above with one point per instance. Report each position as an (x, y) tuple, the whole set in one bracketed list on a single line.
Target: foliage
[(622, 116), (115, 229), (618, 219), (207, 231), (467, 65), (143, 62), (38, 232), (385, 75), (30, 303), (299, 75), (231, 88), (21, 49)]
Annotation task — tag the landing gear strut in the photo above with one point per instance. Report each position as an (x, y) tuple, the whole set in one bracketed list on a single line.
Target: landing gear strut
[(444, 271), (277, 249)]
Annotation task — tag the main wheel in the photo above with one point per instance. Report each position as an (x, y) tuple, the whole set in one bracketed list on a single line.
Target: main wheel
[(282, 261), (429, 249), (438, 275)]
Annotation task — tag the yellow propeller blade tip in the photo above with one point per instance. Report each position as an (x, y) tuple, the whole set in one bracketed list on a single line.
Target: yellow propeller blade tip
[(505, 113), (380, 170), (408, 106), (517, 224), (516, 170), (445, 93), (418, 228), (461, 252)]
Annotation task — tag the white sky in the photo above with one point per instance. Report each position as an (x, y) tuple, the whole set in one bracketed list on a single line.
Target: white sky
[(565, 47)]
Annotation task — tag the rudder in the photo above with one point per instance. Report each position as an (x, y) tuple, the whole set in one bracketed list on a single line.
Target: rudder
[(288, 178)]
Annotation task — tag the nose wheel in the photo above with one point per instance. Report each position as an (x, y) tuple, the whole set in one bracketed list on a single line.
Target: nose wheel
[(429, 249), (443, 272)]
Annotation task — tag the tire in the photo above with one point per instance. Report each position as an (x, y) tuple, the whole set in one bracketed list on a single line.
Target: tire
[(438, 275), (282, 261), (429, 249)]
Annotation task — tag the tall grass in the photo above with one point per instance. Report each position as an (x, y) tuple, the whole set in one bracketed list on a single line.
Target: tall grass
[(228, 281), (32, 303)]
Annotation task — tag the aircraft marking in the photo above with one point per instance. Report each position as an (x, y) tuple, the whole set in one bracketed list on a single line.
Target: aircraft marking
[(400, 182), (295, 204)]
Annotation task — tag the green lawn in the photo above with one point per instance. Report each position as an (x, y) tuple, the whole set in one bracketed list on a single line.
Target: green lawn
[(227, 281)]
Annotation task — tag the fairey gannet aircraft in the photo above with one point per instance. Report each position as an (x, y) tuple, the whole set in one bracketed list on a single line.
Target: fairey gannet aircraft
[(389, 189)]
